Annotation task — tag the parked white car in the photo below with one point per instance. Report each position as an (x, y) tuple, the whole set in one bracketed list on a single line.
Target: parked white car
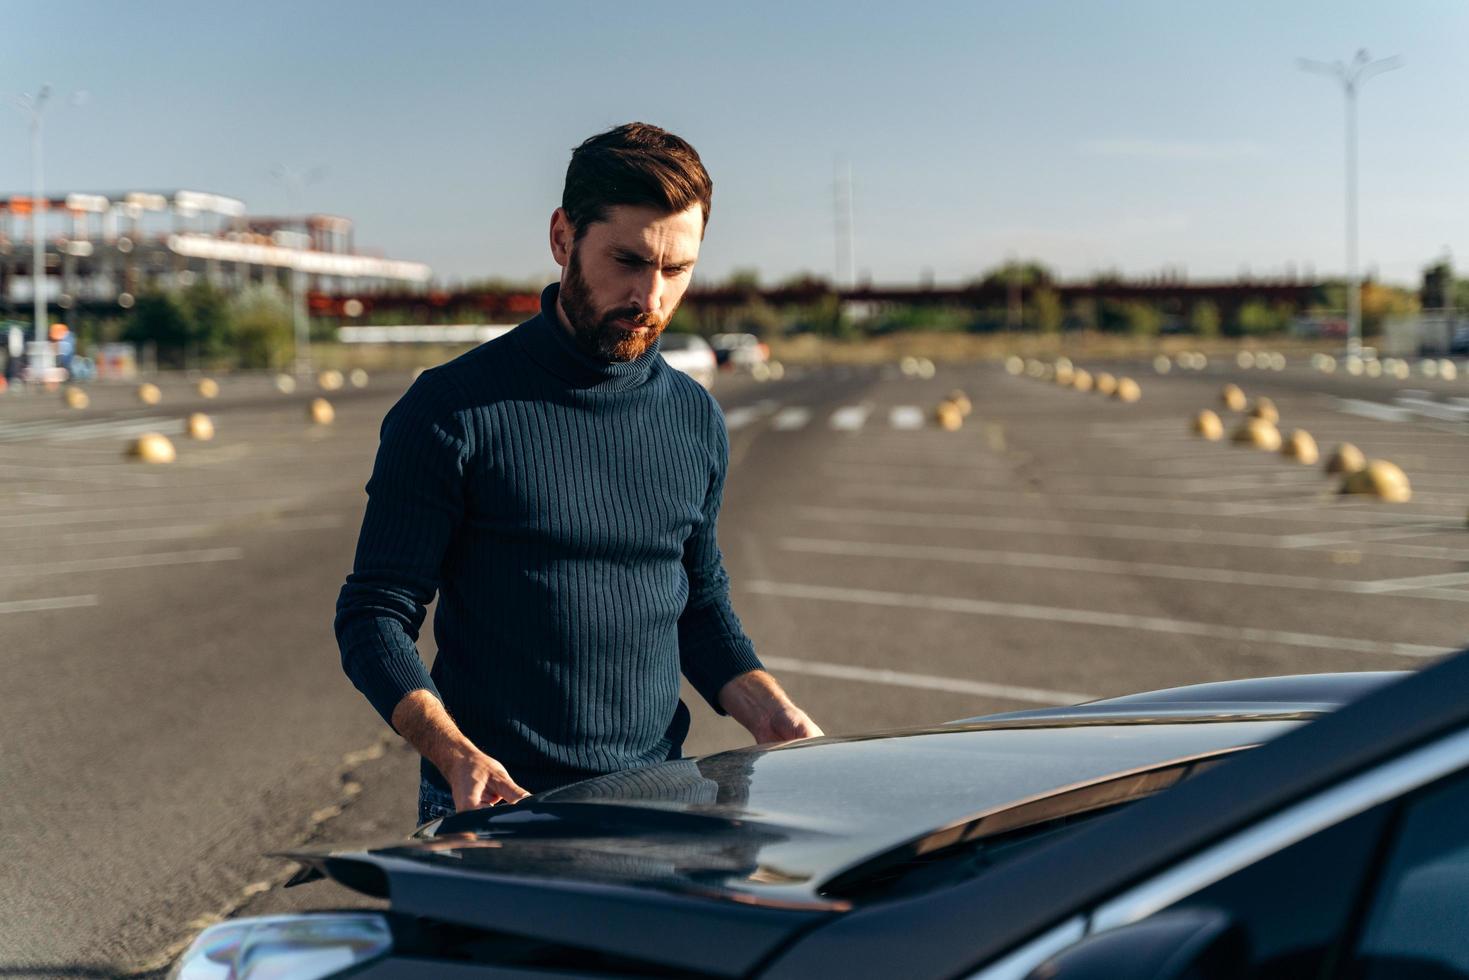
[(690, 354)]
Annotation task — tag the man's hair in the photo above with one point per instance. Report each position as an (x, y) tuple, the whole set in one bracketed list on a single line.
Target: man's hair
[(634, 164)]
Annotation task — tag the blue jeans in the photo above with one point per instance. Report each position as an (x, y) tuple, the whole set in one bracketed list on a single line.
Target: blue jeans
[(433, 802)]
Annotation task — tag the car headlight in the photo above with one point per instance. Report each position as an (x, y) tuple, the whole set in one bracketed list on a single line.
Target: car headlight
[(301, 947)]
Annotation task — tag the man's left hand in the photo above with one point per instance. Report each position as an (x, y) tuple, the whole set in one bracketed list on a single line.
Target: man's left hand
[(757, 701)]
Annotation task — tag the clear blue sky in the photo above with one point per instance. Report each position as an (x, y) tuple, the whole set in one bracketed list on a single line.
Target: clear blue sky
[(1086, 134)]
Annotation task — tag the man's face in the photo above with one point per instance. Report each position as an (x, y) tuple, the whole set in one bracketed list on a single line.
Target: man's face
[(622, 281)]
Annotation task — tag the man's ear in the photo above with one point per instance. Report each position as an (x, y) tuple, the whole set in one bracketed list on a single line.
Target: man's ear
[(563, 235)]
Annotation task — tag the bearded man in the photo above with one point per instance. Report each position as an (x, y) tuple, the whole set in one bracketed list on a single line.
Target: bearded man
[(558, 487)]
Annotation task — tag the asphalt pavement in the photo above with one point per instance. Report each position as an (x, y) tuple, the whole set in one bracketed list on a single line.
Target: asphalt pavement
[(175, 708)]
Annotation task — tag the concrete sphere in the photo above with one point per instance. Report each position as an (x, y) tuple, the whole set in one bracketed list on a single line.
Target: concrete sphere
[(1259, 434), (1379, 479), (1347, 459)]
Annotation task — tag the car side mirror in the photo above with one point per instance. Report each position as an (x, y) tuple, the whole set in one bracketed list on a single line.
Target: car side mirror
[(1189, 944)]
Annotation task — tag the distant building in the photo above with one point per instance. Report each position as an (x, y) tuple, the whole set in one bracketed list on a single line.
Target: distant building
[(103, 250)]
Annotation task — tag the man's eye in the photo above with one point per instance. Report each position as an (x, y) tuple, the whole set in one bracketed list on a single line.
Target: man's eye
[(676, 270)]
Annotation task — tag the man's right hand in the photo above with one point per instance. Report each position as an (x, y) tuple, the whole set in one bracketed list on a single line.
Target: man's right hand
[(478, 780), (475, 779)]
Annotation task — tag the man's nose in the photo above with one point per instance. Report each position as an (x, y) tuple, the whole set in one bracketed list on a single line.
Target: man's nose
[(648, 294)]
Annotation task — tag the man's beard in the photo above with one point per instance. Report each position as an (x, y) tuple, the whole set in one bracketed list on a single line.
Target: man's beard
[(597, 334)]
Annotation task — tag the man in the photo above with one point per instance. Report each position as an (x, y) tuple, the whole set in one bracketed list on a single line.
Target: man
[(559, 487)]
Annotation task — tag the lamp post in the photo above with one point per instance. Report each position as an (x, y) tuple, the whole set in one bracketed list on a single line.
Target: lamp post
[(1352, 77), (35, 106)]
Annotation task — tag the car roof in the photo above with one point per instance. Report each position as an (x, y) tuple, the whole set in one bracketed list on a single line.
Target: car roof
[(945, 933)]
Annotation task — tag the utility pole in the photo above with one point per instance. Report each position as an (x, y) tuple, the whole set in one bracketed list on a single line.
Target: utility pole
[(296, 182), (1352, 77)]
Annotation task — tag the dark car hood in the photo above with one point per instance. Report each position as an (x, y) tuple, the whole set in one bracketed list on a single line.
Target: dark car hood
[(769, 825), (730, 853)]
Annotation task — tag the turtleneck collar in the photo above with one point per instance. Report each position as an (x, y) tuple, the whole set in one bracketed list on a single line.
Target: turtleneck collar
[(551, 346)]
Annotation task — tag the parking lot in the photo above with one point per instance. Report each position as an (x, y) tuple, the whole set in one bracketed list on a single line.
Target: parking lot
[(176, 707)]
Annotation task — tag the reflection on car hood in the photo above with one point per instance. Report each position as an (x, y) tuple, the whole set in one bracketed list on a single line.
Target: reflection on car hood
[(768, 825)]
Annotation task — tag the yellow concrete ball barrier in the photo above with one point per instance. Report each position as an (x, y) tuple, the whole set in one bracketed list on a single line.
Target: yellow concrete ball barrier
[(75, 397), (948, 416), (329, 380), (1162, 364), (962, 402), (320, 411), (1014, 365), (1232, 397), (208, 388), (1379, 479), (1081, 380), (1207, 424), (1265, 409), (200, 427), (151, 447), (149, 394), (358, 378), (1257, 433), (1127, 390), (1301, 448), (285, 384), (1105, 384), (1346, 459), (1064, 373)]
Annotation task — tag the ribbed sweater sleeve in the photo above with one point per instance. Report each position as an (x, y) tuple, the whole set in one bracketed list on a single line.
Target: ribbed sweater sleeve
[(712, 646), (415, 503)]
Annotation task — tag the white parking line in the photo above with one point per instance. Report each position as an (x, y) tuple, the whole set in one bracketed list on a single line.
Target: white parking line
[(906, 417), (121, 562), (789, 419), (1373, 410), (1069, 563), (1274, 510), (925, 682), (738, 418), (850, 418), (1429, 408), (54, 602), (1388, 585), (87, 514), (1134, 532), (1088, 617)]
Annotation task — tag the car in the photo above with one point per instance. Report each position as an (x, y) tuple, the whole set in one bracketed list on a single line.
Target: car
[(689, 353), (739, 350), (1273, 827)]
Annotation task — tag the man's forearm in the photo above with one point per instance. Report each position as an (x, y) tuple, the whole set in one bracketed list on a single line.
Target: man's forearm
[(423, 720), (751, 696), (474, 778), (756, 700)]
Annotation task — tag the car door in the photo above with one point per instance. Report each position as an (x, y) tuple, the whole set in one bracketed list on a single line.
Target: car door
[(1416, 918)]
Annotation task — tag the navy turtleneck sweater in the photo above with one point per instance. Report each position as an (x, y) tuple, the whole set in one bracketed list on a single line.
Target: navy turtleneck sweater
[(564, 510)]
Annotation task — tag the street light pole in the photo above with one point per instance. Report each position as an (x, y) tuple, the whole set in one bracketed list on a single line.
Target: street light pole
[(36, 106), (1352, 77)]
